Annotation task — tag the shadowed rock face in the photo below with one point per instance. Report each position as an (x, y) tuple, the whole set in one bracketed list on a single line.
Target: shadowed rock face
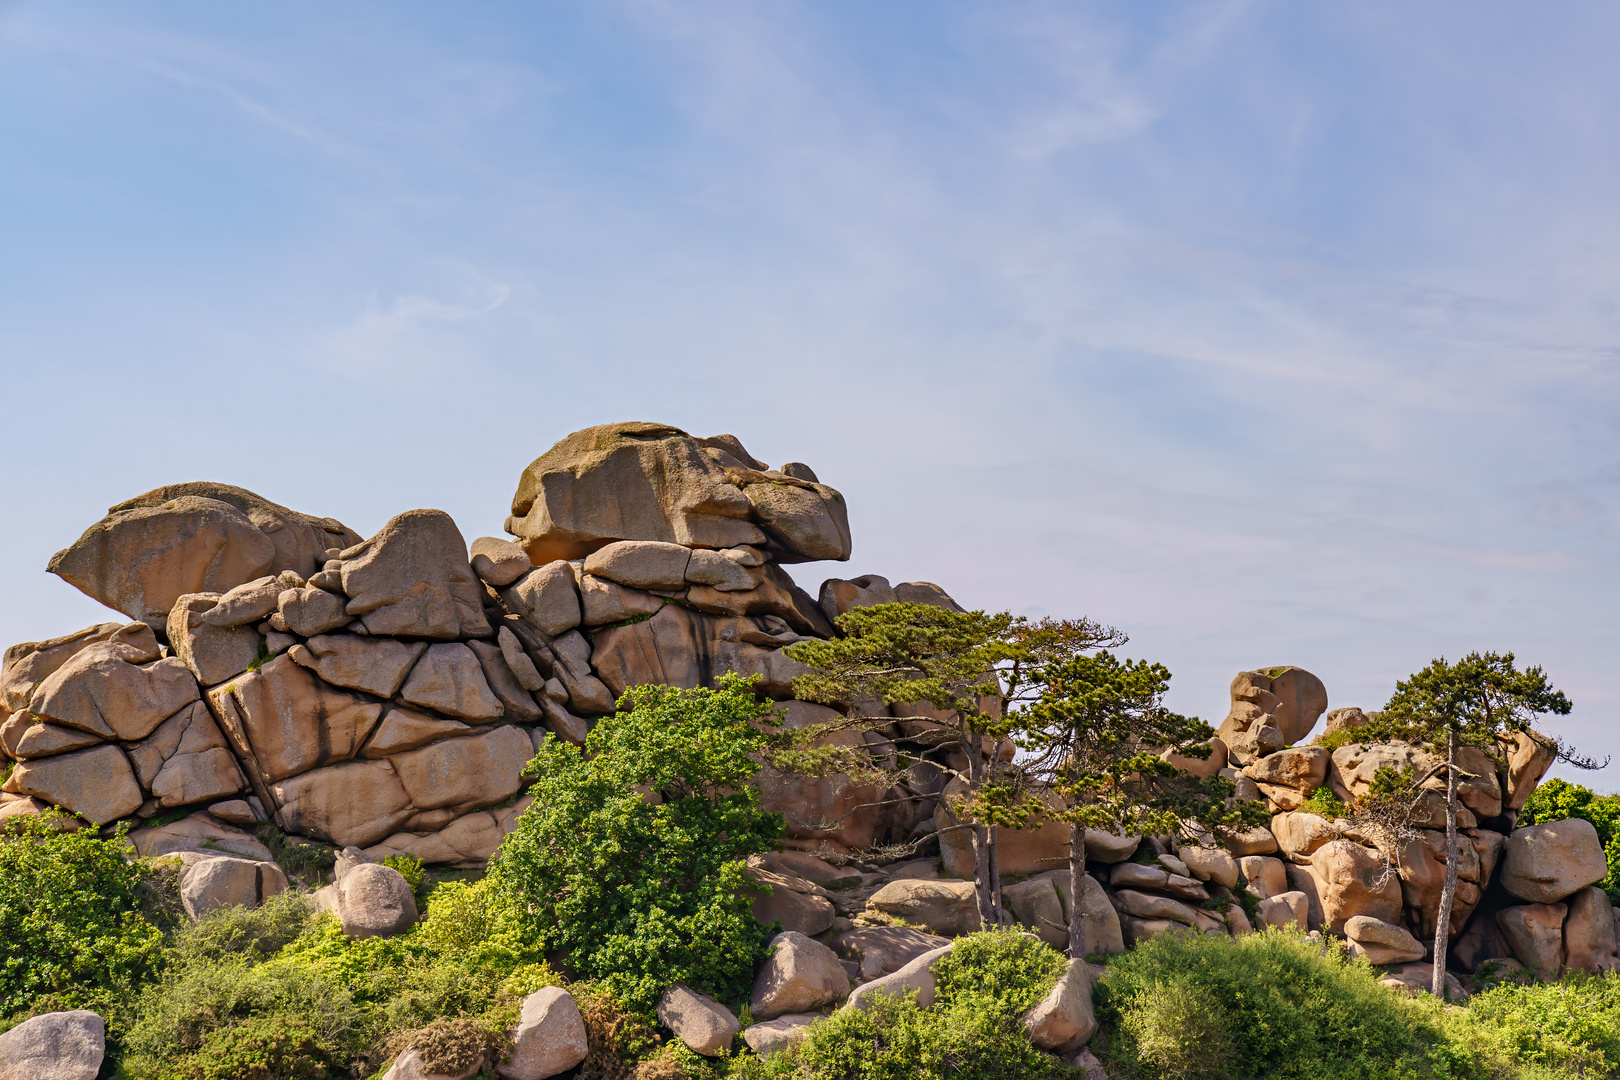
[(195, 537)]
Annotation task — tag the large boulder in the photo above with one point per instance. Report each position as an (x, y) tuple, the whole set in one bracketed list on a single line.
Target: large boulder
[(1299, 834), (1287, 700), (97, 784), (375, 665), (1064, 1020), (200, 831), (210, 882), (449, 679), (945, 907), (1535, 933), (54, 1046), (1289, 776), (917, 977), (628, 481), (356, 803), (191, 538), (804, 520), (213, 653), (1380, 942), (802, 974), (374, 901), (1103, 933), (548, 597), (1035, 903), (406, 729), (1545, 863), (499, 562), (1529, 754), (549, 1039), (1266, 876), (792, 902), (413, 579), (29, 663), (1589, 933), (186, 760), (698, 1020), (1354, 881), (118, 689), (284, 720), (883, 950)]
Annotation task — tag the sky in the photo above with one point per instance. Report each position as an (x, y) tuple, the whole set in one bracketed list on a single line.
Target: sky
[(1269, 333)]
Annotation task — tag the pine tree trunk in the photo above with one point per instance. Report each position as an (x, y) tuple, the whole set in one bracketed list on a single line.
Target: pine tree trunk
[(1442, 930), (998, 919), (981, 835), (1077, 879)]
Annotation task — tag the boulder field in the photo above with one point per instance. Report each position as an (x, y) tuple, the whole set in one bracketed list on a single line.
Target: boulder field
[(382, 695)]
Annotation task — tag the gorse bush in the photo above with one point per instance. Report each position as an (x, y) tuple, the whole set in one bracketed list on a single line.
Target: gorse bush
[(74, 916), (1542, 1031), (1199, 1007), (631, 858)]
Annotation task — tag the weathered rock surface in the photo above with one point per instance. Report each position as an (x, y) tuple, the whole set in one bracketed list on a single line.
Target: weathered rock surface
[(357, 803), (1286, 909), (29, 663), (413, 579), (288, 721), (115, 689), (547, 596), (449, 679), (499, 562), (1266, 876), (918, 976), (801, 975), (549, 1039), (1589, 933), (698, 1020), (375, 665), (476, 771), (883, 950), (1547, 862), (198, 832), (210, 882), (771, 1036), (54, 1046), (1064, 1020), (1354, 881), (97, 784), (1380, 942), (374, 901), (946, 907), (213, 653), (1535, 933)]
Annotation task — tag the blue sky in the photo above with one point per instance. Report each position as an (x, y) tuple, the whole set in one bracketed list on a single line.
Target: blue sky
[(1271, 333)]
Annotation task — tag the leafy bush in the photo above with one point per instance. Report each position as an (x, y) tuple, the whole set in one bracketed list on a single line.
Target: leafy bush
[(1555, 800), (639, 893), (264, 1048), (71, 918), (973, 1031), (1325, 802), (411, 869), (1545, 1031), (1272, 1004)]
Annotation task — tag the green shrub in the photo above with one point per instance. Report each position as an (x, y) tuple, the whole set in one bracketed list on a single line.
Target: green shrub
[(973, 1031), (411, 869), (1325, 802), (1555, 800), (637, 894), (1565, 1029), (263, 1048), (1273, 1004), (71, 916)]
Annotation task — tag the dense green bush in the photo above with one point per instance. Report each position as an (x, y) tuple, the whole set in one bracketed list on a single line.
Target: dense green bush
[(637, 891), (973, 1031), (1187, 1006), (1540, 1031), (1555, 800), (71, 916)]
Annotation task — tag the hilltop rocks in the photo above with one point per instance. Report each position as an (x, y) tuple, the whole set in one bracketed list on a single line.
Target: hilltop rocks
[(1547, 862), (213, 653), (31, 662), (355, 804), (288, 721), (191, 538), (413, 579), (375, 665), (449, 679), (1271, 708), (54, 1046), (115, 689), (1354, 881)]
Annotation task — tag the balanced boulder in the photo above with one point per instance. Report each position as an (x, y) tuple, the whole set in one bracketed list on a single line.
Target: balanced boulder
[(1545, 863)]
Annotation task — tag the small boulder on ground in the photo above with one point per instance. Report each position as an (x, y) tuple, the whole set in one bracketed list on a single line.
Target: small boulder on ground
[(945, 907), (767, 1038), (54, 1046), (374, 901), (1535, 933), (1419, 978), (211, 882), (549, 1039), (917, 975), (698, 1020), (802, 974), (411, 1066)]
